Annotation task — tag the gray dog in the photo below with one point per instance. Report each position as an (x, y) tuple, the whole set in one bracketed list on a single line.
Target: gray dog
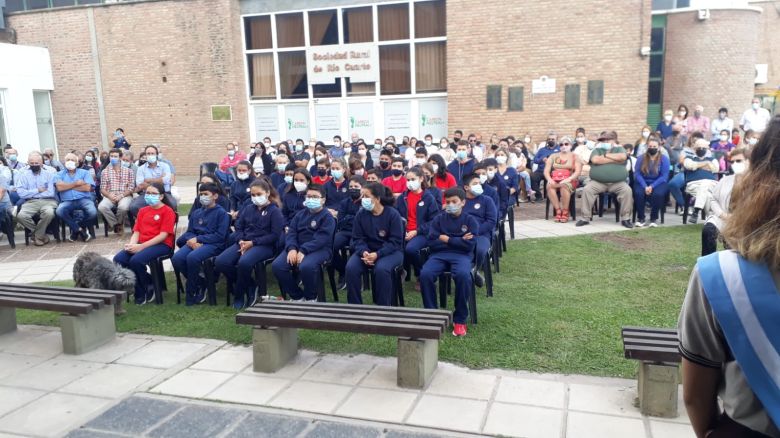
[(93, 271)]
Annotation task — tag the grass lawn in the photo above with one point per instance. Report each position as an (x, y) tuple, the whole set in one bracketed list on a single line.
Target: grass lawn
[(558, 307)]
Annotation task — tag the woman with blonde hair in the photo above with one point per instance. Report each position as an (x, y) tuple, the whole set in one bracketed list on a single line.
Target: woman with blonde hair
[(728, 327)]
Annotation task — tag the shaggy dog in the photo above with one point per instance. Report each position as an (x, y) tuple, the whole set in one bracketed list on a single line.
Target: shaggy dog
[(93, 271)]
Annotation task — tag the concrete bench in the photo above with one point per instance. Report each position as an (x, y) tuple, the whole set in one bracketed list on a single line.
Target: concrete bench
[(275, 336), (87, 319), (659, 375)]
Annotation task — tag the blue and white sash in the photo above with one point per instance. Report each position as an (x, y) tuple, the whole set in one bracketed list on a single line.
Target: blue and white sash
[(746, 303)]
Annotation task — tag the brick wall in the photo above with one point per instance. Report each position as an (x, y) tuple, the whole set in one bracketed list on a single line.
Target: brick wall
[(711, 62), (509, 43), (163, 64), (769, 50)]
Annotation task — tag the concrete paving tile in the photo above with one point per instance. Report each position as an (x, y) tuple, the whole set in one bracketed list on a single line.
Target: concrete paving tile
[(382, 376), (228, 359), (523, 421), (52, 415), (197, 422), (21, 334), (377, 405), (311, 397), (582, 425), (63, 275), (614, 400), (13, 363), (406, 434), (35, 269), (535, 392), (112, 381), (448, 413), (459, 382), (331, 369), (134, 415), (46, 345), (161, 354), (259, 424), (192, 383), (248, 389), (26, 277), (89, 433), (327, 429), (110, 352), (52, 374), (662, 429), (13, 398)]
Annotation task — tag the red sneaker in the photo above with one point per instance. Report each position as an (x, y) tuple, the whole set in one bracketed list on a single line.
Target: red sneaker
[(459, 329)]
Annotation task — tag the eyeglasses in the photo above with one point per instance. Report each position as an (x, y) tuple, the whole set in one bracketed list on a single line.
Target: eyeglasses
[(565, 144)]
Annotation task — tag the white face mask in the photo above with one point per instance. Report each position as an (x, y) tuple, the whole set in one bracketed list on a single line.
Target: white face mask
[(242, 176), (739, 168), (260, 200), (580, 140), (435, 167), (756, 105), (752, 141), (527, 139), (444, 144), (300, 186), (668, 118), (483, 179), (70, 165), (645, 134), (501, 159), (491, 174), (724, 137)]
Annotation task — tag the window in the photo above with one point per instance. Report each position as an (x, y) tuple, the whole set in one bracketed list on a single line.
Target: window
[(262, 79), (3, 133), (37, 4), (44, 118), (657, 39), (654, 92), (494, 97), (657, 65), (393, 22), (430, 19), (14, 5), (394, 69), (515, 99), (431, 67), (59, 3), (571, 96), (323, 28), (595, 92), (289, 30), (292, 75), (361, 88), (258, 33), (358, 25), (327, 90)]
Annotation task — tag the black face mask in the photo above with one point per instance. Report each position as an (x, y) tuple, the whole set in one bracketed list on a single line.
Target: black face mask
[(35, 169), (550, 144), (397, 172), (652, 151), (384, 164), (322, 172), (456, 139), (354, 194), (701, 152)]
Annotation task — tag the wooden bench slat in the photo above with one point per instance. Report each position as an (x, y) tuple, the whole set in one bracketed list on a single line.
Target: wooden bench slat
[(371, 311), (53, 306), (96, 303), (116, 293), (654, 354), (659, 336), (438, 312), (628, 342), (649, 329), (441, 324), (385, 329), (105, 298)]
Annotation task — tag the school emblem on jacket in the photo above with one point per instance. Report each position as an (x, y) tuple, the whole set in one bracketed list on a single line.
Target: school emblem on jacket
[(314, 224), (263, 213), (157, 217), (476, 206), (421, 204), (506, 177), (343, 189), (200, 221), (464, 228), (247, 189), (382, 233)]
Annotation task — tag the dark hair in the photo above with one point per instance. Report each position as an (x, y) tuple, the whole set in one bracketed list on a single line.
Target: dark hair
[(156, 151), (115, 151), (299, 140), (290, 166), (210, 187), (386, 152), (417, 171), (458, 131), (273, 195), (421, 151), (490, 162), (121, 130), (216, 182), (373, 171), (382, 193), (455, 191), (318, 188), (298, 170), (337, 136), (397, 160), (467, 178), (441, 170), (723, 109), (480, 166), (244, 163), (358, 179), (160, 188), (464, 142)]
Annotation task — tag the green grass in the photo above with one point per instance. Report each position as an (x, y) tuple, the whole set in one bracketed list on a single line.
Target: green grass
[(183, 209), (558, 307)]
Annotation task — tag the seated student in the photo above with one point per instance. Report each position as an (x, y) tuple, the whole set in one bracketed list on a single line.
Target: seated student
[(300, 157), (373, 175), (307, 245), (481, 170), (721, 199), (377, 242), (463, 163), (356, 167), (650, 176), (319, 153), (76, 187), (562, 171), (336, 188), (385, 161), (206, 235), (420, 157), (700, 178), (239, 190), (152, 237), (396, 181), (323, 169), (451, 238), (483, 209), (418, 207), (497, 184), (443, 180), (294, 194), (428, 174), (277, 177), (347, 210), (258, 228), (222, 201), (508, 173)]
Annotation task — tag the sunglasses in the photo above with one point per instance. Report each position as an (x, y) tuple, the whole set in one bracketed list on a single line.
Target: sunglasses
[(565, 144)]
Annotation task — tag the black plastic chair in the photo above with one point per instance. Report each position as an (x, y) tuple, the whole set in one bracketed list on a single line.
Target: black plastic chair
[(608, 198), (572, 207), (208, 167), (8, 228)]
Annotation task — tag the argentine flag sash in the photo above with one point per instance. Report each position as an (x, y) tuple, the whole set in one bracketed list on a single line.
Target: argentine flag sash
[(746, 303)]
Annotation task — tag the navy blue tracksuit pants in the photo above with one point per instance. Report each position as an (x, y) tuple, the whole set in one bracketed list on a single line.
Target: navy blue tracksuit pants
[(412, 252), (188, 261), (137, 263), (238, 268), (308, 271), (459, 265), (341, 240), (483, 246), (383, 278)]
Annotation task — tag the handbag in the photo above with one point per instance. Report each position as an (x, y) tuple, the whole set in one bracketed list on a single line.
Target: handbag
[(559, 175)]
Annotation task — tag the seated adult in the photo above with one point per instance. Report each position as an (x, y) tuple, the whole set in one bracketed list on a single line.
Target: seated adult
[(49, 160), (231, 159), (262, 161), (347, 210), (258, 228), (13, 159), (700, 178), (721, 199), (562, 172), (239, 190), (418, 207), (650, 176), (463, 164), (36, 190), (377, 242), (301, 157), (152, 237), (396, 182), (608, 174), (5, 202), (128, 162), (222, 200), (294, 194), (207, 232), (151, 171), (117, 184), (76, 187), (484, 210), (540, 160), (307, 245)]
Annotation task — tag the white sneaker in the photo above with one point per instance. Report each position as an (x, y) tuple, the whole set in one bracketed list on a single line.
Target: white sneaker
[(639, 225), (653, 224)]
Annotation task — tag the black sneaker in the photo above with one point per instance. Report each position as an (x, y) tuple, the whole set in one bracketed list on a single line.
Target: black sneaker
[(627, 224), (582, 223), (693, 218), (479, 280), (341, 284)]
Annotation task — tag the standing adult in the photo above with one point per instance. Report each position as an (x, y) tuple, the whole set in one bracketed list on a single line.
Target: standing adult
[(152, 171), (723, 122), (119, 139), (755, 118)]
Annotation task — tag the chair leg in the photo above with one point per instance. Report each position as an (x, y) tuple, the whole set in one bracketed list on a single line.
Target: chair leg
[(332, 280), (179, 286), (547, 209), (488, 279), (512, 222), (473, 303), (211, 288), (260, 281), (399, 289)]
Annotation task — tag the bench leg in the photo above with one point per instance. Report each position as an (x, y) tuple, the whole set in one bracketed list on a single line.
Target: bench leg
[(417, 360), (273, 348), (658, 389), (7, 320), (83, 333)]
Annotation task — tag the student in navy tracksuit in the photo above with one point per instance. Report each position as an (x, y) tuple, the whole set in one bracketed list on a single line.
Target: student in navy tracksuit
[(344, 220), (239, 190), (258, 228), (427, 169), (418, 207), (507, 173), (483, 209), (282, 165), (308, 244), (463, 164), (294, 194), (222, 201), (337, 188), (494, 181), (377, 241), (286, 181), (451, 238), (487, 190), (206, 235)]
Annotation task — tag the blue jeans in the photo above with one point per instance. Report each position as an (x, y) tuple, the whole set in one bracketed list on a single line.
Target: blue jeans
[(383, 278), (89, 213), (308, 271), (238, 268), (137, 263), (460, 266), (187, 262), (675, 188), (657, 200)]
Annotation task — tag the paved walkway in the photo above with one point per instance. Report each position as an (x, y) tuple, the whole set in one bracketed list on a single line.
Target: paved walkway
[(46, 393)]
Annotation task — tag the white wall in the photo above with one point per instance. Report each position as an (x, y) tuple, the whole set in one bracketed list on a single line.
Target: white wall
[(24, 69)]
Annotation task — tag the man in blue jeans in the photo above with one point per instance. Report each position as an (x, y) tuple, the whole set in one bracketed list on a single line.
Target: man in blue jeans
[(76, 188)]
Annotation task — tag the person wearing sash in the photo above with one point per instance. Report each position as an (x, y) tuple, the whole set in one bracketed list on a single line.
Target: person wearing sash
[(729, 326)]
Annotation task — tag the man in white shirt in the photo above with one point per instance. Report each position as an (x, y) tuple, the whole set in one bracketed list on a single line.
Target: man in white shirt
[(723, 122), (755, 118)]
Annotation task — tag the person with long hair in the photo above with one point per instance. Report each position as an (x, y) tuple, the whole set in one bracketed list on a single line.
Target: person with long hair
[(258, 228), (153, 235), (562, 174), (428, 175), (419, 208), (651, 174), (295, 193), (337, 187), (728, 326), (442, 179), (640, 145), (239, 190), (377, 242)]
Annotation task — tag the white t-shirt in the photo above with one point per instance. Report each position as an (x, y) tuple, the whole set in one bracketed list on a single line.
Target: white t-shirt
[(755, 119)]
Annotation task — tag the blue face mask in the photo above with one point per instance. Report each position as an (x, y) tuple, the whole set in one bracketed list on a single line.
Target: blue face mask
[(288, 179), (281, 167), (312, 203), (476, 190), (605, 146), (462, 155), (337, 174), (452, 208), (114, 161), (367, 204), (152, 200)]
